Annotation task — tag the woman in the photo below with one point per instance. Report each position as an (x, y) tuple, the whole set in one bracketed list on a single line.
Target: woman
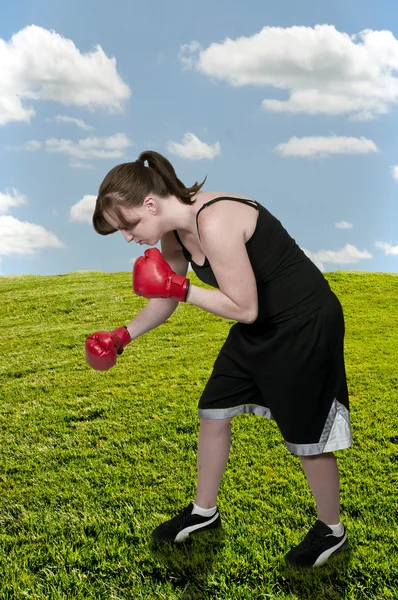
[(284, 357)]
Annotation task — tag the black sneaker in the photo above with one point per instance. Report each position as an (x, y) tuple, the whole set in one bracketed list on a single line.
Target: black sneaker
[(184, 524)]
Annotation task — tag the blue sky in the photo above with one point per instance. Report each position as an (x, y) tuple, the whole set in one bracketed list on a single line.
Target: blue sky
[(275, 100)]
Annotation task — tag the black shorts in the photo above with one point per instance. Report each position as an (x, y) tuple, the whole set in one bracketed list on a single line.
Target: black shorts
[(293, 373)]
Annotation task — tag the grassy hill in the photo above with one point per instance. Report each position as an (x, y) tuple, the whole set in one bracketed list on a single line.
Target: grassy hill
[(93, 461)]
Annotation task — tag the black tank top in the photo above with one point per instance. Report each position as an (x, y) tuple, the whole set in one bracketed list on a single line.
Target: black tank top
[(289, 284)]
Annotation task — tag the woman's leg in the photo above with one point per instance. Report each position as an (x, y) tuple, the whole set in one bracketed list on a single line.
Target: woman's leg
[(213, 452), (323, 477)]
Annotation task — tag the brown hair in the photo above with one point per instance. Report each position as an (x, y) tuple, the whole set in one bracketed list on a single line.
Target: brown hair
[(128, 184)]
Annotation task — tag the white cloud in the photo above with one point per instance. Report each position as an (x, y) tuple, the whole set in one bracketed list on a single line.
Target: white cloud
[(186, 49), (324, 146), (83, 166), (394, 170), (33, 145), (87, 148), (364, 115), (20, 237), (344, 225), (11, 199), (23, 238), (389, 249), (325, 71), (348, 255), (65, 119), (83, 210), (192, 148), (42, 65)]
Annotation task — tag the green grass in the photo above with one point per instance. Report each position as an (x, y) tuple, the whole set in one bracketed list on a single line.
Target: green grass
[(93, 461)]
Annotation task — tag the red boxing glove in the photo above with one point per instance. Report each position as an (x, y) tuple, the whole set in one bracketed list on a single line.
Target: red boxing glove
[(103, 347), (154, 278)]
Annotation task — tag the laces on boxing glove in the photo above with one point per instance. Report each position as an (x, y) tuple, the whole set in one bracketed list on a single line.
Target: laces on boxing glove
[(121, 337), (178, 287), (121, 349)]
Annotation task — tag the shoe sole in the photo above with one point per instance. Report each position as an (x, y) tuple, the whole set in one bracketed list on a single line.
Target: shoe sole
[(198, 528), (213, 523), (343, 545), (322, 558)]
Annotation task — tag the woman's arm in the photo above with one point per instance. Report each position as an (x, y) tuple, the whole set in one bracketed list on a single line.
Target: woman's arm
[(214, 301)]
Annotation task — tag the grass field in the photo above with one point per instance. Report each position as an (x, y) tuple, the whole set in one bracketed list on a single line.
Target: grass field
[(93, 461)]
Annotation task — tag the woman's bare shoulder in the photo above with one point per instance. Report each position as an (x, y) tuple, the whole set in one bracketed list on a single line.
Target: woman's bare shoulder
[(214, 195)]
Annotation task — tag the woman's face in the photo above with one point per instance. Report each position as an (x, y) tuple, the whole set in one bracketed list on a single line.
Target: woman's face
[(142, 227)]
